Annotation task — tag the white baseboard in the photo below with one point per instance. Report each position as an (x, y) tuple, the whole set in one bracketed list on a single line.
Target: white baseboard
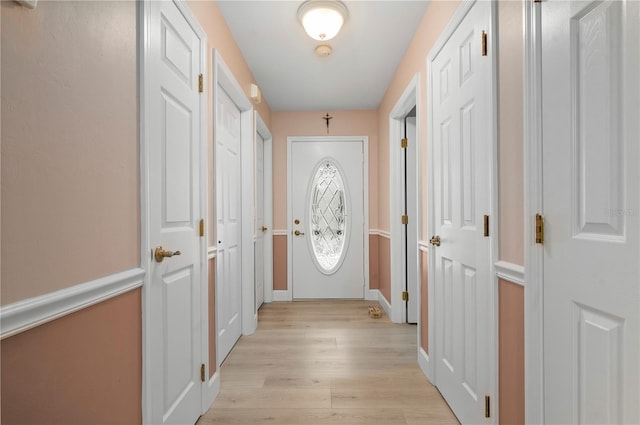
[(212, 390), (423, 361), (26, 314), (282, 296), (371, 294), (385, 304)]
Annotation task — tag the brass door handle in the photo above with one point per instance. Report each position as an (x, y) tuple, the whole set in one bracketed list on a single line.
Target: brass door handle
[(298, 233), (435, 240), (263, 228), (160, 254)]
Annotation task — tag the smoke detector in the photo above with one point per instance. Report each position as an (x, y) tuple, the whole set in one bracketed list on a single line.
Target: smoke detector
[(323, 50)]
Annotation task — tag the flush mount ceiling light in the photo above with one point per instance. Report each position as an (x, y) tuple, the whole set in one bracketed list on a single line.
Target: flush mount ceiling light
[(322, 19)]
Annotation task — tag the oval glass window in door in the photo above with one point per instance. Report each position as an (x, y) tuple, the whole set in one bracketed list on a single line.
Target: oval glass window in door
[(327, 216)]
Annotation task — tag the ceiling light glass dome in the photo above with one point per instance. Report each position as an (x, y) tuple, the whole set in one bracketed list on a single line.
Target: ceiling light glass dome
[(322, 19)]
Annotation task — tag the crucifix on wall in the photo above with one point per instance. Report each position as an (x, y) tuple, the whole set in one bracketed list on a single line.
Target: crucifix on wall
[(327, 118)]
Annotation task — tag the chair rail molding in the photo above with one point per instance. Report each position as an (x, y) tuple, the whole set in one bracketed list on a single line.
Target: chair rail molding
[(27, 314), (510, 272)]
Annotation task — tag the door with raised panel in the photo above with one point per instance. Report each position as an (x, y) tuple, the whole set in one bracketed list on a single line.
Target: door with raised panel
[(175, 212), (228, 203), (462, 145), (327, 210), (591, 290)]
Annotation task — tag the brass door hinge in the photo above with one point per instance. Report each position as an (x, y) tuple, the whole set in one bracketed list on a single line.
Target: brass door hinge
[(484, 43), (202, 378), (404, 143), (201, 227), (537, 1), (486, 225), (405, 219), (539, 229), (487, 406), (405, 296), (201, 83)]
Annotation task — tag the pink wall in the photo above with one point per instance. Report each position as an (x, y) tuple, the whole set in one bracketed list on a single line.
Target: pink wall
[(70, 145), (511, 352), (219, 37), (511, 132), (85, 368), (384, 266), (374, 269), (280, 263)]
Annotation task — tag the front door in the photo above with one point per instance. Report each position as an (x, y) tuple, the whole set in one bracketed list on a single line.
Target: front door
[(591, 289), (327, 210), (175, 212), (228, 192), (462, 146)]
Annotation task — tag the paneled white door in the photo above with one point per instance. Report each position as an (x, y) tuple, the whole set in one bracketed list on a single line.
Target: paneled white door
[(462, 145), (260, 227), (327, 210), (228, 191), (591, 93), (175, 213)]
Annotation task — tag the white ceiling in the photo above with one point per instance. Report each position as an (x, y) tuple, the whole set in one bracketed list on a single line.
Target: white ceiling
[(281, 56)]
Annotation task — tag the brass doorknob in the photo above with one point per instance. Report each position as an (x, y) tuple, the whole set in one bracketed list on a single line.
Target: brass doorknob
[(263, 228), (298, 233), (160, 254), (435, 240)]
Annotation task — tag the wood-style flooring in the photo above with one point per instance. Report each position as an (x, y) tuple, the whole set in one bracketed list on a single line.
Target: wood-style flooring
[(326, 362)]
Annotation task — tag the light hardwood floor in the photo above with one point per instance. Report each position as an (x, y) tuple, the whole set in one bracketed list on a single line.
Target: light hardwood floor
[(326, 362)]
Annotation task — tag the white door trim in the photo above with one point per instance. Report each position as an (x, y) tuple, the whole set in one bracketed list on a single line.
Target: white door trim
[(533, 253), (288, 294), (403, 106), (263, 130), (144, 72), (464, 8), (223, 77)]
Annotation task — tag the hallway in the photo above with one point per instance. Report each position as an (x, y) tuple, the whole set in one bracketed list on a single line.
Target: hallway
[(326, 362)]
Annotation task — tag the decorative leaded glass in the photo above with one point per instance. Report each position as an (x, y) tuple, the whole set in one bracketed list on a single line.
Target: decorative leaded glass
[(327, 219)]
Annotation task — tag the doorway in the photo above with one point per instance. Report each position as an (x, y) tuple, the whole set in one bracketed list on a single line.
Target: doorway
[(404, 154), (327, 215)]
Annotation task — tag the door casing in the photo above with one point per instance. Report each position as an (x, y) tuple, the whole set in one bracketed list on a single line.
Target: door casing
[(409, 99), (223, 77), (263, 130)]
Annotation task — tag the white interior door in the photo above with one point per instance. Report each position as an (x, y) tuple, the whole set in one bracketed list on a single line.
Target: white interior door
[(260, 227), (175, 208), (462, 146), (591, 93), (228, 191), (327, 210)]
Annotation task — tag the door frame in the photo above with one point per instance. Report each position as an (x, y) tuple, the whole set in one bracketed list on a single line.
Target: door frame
[(145, 75), (459, 15), (409, 99), (263, 131), (533, 204), (288, 294), (223, 77)]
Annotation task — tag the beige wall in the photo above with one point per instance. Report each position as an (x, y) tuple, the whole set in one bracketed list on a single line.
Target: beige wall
[(435, 19), (310, 123), (70, 171), (511, 132), (85, 368), (219, 37)]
